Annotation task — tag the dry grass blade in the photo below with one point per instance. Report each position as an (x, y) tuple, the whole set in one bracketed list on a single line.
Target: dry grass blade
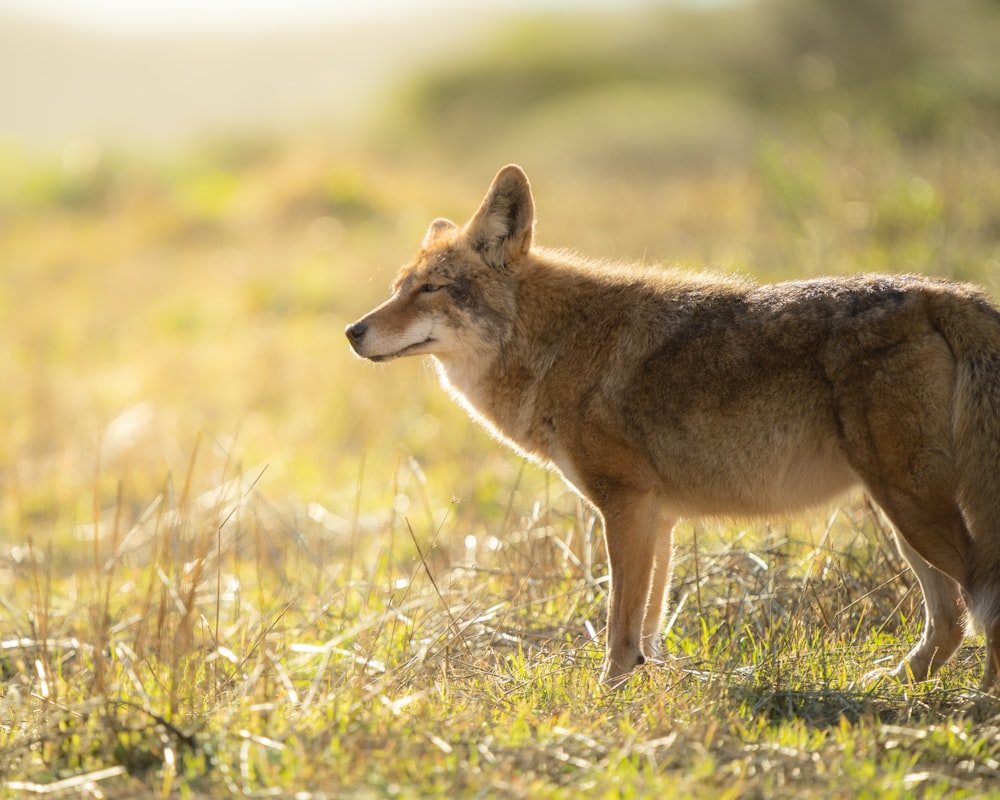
[(81, 783)]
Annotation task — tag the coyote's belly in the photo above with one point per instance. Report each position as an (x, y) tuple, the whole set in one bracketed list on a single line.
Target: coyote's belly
[(719, 480), (762, 486)]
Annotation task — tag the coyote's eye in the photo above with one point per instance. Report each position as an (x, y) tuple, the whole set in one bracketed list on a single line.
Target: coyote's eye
[(429, 287)]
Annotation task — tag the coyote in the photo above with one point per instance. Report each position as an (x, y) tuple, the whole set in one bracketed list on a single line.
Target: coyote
[(660, 394)]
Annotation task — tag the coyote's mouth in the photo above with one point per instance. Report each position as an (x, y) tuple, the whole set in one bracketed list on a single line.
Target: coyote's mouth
[(406, 350)]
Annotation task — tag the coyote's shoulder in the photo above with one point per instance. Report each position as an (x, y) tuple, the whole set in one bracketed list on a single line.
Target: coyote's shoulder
[(659, 393)]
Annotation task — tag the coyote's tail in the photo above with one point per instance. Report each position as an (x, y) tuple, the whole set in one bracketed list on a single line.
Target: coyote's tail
[(971, 326)]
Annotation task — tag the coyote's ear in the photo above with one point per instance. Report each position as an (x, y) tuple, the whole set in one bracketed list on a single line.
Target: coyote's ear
[(501, 228), (437, 229)]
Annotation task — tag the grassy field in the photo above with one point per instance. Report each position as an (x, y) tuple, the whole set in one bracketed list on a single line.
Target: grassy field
[(235, 560)]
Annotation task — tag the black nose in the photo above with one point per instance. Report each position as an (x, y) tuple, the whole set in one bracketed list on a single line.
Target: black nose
[(356, 332)]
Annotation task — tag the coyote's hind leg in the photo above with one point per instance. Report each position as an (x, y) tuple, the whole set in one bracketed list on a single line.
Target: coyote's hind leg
[(945, 617), (985, 608)]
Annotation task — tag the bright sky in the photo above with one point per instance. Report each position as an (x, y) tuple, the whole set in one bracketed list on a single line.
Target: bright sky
[(158, 15), (130, 16)]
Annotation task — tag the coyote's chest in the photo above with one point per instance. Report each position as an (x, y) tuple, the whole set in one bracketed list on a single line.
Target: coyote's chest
[(509, 404)]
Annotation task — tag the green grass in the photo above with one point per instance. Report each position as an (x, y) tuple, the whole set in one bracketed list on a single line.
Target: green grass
[(237, 561)]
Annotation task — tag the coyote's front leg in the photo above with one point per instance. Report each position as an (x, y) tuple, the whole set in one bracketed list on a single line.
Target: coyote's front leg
[(633, 533), (659, 591)]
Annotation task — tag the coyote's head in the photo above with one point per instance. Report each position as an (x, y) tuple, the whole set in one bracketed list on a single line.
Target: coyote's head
[(457, 298)]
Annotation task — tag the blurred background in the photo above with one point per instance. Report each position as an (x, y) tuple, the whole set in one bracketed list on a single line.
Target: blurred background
[(195, 198)]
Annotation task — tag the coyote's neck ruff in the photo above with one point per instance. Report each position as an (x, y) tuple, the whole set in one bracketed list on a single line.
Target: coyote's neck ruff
[(660, 394)]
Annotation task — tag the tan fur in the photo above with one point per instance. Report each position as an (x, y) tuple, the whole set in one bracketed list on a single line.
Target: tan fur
[(659, 394)]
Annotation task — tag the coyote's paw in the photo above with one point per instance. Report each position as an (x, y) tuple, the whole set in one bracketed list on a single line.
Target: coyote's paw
[(615, 675), (908, 673), (876, 676)]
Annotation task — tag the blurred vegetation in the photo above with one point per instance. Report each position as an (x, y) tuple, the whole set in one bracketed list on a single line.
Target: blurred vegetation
[(193, 467), (673, 85)]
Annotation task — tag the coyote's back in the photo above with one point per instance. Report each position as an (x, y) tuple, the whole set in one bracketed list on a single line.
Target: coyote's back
[(660, 394)]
